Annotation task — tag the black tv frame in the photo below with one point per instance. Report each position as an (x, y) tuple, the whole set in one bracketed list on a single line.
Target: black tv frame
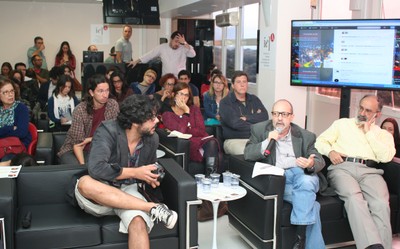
[(133, 12)]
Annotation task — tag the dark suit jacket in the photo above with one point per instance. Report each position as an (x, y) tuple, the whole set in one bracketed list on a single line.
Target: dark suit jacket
[(303, 144)]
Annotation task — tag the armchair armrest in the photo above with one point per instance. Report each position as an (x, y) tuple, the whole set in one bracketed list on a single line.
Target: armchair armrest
[(177, 148), (180, 194), (391, 175), (44, 148), (264, 197), (8, 208)]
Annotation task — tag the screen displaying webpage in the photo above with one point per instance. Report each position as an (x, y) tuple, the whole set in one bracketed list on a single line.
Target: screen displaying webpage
[(352, 53)]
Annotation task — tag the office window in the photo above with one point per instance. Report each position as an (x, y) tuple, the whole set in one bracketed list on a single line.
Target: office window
[(238, 44)]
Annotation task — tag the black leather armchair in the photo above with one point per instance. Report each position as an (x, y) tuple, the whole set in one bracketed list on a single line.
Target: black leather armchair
[(49, 144), (263, 218), (179, 149), (57, 224)]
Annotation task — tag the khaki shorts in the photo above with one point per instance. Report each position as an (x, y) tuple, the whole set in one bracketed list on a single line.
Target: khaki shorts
[(125, 215)]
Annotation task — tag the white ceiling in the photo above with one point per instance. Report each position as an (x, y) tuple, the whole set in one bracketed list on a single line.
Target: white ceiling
[(197, 8)]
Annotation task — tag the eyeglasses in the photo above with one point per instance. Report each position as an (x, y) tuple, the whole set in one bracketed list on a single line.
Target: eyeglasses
[(151, 76), (8, 92), (169, 84), (184, 94), (284, 114), (218, 82), (366, 111), (117, 81)]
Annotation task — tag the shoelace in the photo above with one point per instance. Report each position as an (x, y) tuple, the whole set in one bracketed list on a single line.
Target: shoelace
[(161, 214)]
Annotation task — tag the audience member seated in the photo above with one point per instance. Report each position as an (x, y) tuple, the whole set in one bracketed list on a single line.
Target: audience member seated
[(22, 159), (42, 75), (167, 83), (112, 57), (146, 87), (185, 117), (119, 165), (205, 85), (61, 104), (22, 67), (95, 108), (119, 88), (92, 48), (67, 71), (212, 98), (6, 69), (46, 89), (355, 146), (238, 111), (66, 57), (14, 116), (390, 124), (16, 78), (185, 76)]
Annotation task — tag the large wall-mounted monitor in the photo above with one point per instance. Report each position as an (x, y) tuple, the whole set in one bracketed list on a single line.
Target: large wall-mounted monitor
[(134, 12), (360, 53)]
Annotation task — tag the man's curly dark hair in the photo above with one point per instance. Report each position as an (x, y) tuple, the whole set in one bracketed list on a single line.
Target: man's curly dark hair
[(137, 109)]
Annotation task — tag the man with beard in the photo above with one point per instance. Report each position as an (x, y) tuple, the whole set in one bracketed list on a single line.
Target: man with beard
[(354, 146), (294, 152), (123, 153), (173, 54)]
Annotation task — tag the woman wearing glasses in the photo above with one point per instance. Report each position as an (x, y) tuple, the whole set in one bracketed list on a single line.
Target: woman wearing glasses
[(146, 87), (218, 90), (119, 89), (14, 116), (185, 117), (167, 83)]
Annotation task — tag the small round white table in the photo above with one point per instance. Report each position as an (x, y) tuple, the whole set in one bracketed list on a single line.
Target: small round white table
[(216, 195)]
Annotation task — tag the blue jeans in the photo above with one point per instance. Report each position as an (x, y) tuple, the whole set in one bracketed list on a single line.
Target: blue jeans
[(300, 191)]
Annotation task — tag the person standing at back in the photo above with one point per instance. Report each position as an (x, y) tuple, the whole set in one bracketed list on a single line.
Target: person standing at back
[(173, 54), (123, 47), (37, 49)]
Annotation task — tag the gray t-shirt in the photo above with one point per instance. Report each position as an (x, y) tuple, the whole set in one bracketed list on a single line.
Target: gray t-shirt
[(125, 47)]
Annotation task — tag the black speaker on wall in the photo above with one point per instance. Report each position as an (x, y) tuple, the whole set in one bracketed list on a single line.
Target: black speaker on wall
[(134, 12)]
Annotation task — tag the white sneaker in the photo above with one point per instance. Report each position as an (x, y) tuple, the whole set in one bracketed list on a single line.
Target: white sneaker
[(162, 213)]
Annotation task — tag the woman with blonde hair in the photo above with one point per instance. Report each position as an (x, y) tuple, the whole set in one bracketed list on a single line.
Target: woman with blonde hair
[(218, 90)]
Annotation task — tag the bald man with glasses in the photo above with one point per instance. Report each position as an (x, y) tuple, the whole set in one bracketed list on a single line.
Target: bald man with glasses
[(294, 152)]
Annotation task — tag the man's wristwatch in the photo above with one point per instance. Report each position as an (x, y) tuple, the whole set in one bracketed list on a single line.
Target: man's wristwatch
[(310, 170)]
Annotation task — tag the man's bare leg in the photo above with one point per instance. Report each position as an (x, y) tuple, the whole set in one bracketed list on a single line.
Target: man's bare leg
[(138, 237), (106, 195)]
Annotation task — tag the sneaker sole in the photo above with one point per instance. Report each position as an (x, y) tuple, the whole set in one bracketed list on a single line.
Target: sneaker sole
[(173, 218)]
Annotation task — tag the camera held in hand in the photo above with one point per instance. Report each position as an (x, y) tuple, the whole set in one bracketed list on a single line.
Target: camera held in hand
[(160, 171)]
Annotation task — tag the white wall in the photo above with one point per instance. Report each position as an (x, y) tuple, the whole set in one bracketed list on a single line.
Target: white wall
[(20, 22), (273, 81)]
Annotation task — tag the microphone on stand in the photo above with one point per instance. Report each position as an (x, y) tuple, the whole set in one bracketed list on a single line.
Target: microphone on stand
[(271, 144)]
